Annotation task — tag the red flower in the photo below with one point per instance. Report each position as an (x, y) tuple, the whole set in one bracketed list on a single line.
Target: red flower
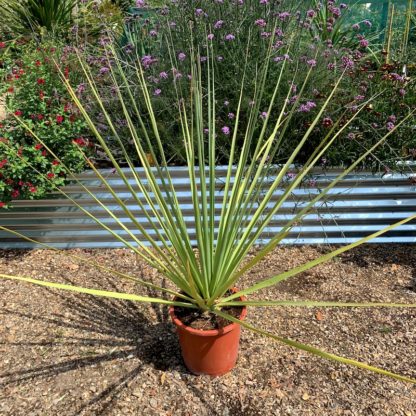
[(3, 162), (40, 116), (2, 204), (44, 153), (32, 189), (79, 141), (41, 81), (10, 89), (55, 163), (41, 95), (18, 113), (15, 193), (59, 119), (38, 146), (2, 45), (38, 63), (50, 175)]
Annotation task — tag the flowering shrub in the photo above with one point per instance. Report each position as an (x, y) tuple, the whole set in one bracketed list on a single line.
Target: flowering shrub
[(36, 95), (381, 115), (276, 34)]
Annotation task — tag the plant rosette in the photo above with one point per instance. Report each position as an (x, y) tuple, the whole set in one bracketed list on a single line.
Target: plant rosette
[(211, 352)]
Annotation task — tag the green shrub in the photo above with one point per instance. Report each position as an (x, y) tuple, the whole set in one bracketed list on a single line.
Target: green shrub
[(36, 95), (96, 18), (223, 28), (25, 17)]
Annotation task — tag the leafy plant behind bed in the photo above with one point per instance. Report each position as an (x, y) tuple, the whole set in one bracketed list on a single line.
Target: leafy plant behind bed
[(203, 276), (33, 91), (23, 17), (329, 37)]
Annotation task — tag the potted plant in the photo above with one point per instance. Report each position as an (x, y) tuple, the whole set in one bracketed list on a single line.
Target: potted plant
[(207, 303)]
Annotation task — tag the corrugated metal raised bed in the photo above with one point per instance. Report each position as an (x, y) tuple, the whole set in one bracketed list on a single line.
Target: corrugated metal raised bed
[(360, 205)]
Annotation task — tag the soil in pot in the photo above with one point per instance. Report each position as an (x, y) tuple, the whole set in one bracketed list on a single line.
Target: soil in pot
[(197, 320)]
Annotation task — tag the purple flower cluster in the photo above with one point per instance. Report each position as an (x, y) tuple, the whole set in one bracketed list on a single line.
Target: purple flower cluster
[(311, 62), (347, 62), (218, 24), (147, 61), (226, 130), (284, 16), (260, 23), (305, 108), (311, 13)]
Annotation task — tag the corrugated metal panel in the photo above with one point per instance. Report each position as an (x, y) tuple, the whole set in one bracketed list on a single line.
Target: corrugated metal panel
[(360, 205)]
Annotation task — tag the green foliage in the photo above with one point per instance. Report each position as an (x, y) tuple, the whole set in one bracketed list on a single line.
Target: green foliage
[(35, 95), (343, 47), (399, 35), (336, 24), (124, 5), (98, 18), (25, 17)]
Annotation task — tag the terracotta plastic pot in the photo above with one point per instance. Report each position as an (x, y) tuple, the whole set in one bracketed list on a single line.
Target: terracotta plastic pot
[(213, 352)]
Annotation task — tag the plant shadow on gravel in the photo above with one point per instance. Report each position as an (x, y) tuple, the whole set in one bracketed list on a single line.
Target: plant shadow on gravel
[(151, 340), (387, 255)]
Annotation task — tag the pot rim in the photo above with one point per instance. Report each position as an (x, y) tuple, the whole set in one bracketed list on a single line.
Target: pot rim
[(208, 332)]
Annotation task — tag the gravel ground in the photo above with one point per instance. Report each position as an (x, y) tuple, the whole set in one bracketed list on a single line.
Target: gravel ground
[(68, 354)]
